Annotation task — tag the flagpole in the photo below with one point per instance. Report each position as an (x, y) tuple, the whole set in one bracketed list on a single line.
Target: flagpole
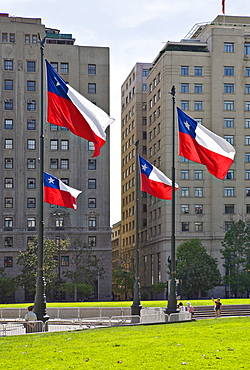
[(136, 307), (172, 301), (40, 298)]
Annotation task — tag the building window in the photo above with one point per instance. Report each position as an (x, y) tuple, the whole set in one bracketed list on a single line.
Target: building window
[(228, 47), (185, 209), (64, 67), (92, 203), (27, 39), (12, 37), (4, 37), (198, 71), (228, 225), (8, 183), (53, 127), (198, 226), (31, 105), (184, 174), (8, 241), (198, 192), (247, 174), (184, 105), (248, 192), (92, 88), (31, 66), (59, 223), (198, 209), (31, 163), (8, 144), (198, 88), (54, 163), (185, 226), (64, 144), (8, 124), (228, 105), (8, 104), (228, 88), (145, 72), (183, 159), (198, 105), (247, 157), (8, 65), (144, 87), (53, 144), (228, 71), (8, 163), (92, 164), (248, 208), (91, 146), (247, 48), (230, 175), (198, 174), (55, 66), (31, 124), (185, 88), (229, 192), (8, 84), (92, 241), (248, 105), (8, 223), (247, 124), (91, 183), (31, 203), (228, 122), (31, 144), (31, 85), (247, 74), (8, 202), (34, 39), (247, 91), (247, 140), (65, 261), (64, 164), (8, 262), (31, 223), (92, 69), (31, 183), (229, 139), (229, 208), (92, 222), (184, 70), (185, 192)]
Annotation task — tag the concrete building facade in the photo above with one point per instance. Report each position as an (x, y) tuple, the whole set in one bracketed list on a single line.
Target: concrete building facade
[(210, 69), (67, 156)]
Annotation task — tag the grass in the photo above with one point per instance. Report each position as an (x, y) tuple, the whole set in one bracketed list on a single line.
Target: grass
[(129, 303), (205, 344)]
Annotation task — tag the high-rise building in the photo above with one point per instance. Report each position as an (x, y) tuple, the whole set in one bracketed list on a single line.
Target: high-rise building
[(210, 69), (67, 156)]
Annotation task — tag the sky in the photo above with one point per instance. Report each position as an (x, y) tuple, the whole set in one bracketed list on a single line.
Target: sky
[(134, 30)]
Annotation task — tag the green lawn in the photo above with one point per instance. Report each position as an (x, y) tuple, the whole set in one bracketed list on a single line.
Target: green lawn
[(205, 344), (129, 303)]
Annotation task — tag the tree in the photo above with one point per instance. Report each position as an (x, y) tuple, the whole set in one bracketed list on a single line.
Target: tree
[(123, 280), (159, 288), (28, 260), (236, 253), (196, 268), (87, 268), (7, 286)]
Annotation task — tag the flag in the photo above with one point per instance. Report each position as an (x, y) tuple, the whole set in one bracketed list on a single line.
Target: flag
[(154, 182), (58, 193), (223, 6), (200, 145), (67, 108)]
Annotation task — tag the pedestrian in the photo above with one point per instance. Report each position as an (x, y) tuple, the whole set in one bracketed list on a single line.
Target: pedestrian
[(30, 317), (181, 307), (190, 308), (218, 307)]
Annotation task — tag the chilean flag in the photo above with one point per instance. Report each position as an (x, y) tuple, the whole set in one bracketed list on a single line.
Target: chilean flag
[(68, 108), (58, 193), (200, 145), (154, 182), (223, 6)]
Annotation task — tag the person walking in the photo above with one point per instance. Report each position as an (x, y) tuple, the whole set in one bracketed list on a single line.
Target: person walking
[(218, 307)]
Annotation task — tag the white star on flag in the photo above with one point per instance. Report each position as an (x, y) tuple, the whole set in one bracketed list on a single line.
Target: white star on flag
[(51, 181), (187, 125), (144, 167)]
